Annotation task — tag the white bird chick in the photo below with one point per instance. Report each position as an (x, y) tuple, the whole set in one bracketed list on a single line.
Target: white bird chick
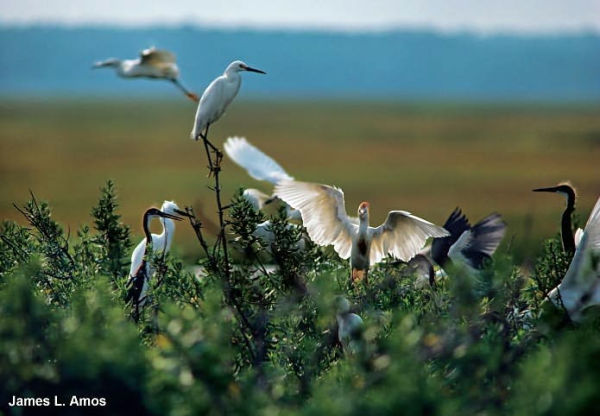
[(153, 63), (261, 167), (350, 326), (161, 243), (217, 97), (580, 287), (323, 211)]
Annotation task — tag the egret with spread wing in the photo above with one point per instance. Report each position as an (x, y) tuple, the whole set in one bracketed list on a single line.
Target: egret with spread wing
[(323, 211), (262, 168), (580, 288), (152, 63)]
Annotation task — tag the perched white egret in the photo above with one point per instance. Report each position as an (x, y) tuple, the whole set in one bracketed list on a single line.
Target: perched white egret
[(217, 96), (350, 326), (569, 240), (160, 243), (466, 245), (262, 168), (580, 288), (152, 63), (323, 212)]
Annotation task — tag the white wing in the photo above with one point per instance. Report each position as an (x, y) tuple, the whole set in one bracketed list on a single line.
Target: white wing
[(260, 166), (402, 235), (579, 287), (323, 213), (582, 265), (153, 56), (137, 257)]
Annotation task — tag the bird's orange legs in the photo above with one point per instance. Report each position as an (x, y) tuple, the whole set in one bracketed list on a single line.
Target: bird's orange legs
[(359, 276)]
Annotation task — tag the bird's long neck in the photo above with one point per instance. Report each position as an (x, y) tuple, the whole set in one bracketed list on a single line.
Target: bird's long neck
[(146, 225), (566, 227), (167, 233), (363, 225)]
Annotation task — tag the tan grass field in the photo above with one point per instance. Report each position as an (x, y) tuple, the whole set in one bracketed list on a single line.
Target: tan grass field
[(425, 158)]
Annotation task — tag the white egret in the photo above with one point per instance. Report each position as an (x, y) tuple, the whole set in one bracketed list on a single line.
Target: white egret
[(160, 243), (217, 96), (580, 288), (323, 212), (350, 326), (569, 240), (152, 63), (261, 167)]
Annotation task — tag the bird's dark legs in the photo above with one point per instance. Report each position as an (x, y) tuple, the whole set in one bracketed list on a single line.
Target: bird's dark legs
[(213, 166)]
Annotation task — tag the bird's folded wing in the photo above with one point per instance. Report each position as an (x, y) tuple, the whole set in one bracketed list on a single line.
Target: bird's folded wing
[(585, 266), (402, 235), (259, 165), (137, 258), (153, 56), (323, 213)]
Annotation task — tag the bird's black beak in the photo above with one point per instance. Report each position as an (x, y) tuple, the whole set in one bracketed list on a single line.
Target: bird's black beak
[(173, 217), (182, 213), (550, 189), (247, 68)]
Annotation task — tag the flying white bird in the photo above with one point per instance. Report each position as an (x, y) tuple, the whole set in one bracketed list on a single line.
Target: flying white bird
[(323, 211), (262, 168), (217, 96), (580, 288), (569, 240), (350, 326), (466, 245), (161, 243), (152, 63)]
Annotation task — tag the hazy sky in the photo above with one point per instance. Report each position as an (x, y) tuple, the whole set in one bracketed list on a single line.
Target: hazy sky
[(479, 15)]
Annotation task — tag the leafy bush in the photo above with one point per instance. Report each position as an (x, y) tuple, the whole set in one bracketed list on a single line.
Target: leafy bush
[(254, 339)]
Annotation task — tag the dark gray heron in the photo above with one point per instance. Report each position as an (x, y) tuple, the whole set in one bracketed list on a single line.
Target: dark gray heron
[(569, 240), (466, 244)]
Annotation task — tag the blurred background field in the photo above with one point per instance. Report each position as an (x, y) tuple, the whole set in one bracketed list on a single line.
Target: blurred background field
[(423, 157)]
